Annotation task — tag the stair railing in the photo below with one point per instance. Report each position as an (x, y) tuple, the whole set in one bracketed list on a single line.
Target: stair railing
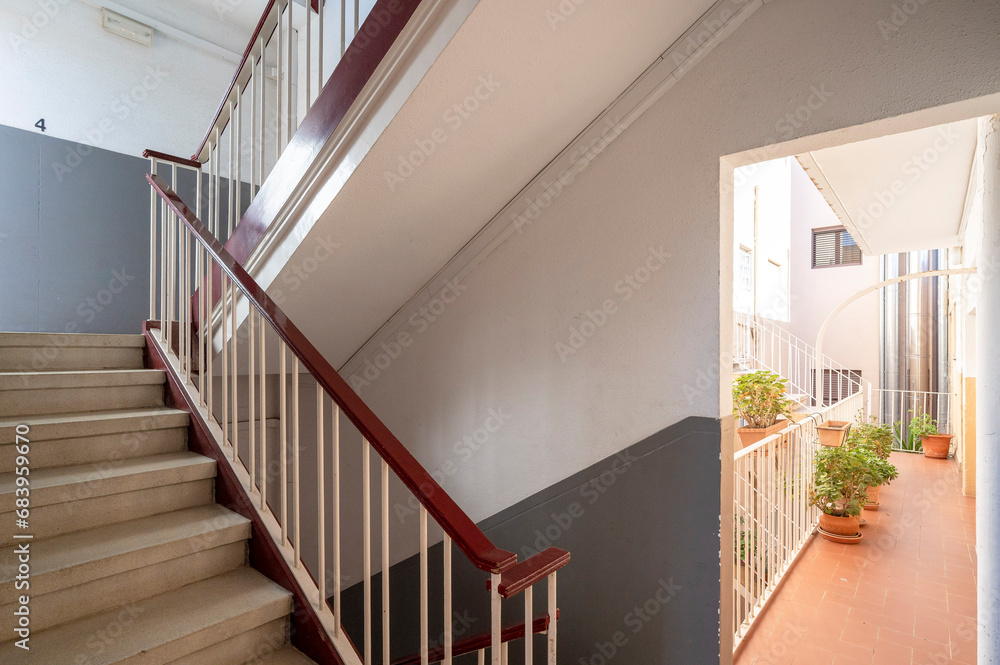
[(237, 345), (759, 343)]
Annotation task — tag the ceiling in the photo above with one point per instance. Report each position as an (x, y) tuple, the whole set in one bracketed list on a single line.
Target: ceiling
[(903, 192), (550, 74), (80, 78)]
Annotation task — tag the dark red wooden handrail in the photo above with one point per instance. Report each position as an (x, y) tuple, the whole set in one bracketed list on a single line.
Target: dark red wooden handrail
[(530, 571), (470, 539), (509, 634), (164, 157)]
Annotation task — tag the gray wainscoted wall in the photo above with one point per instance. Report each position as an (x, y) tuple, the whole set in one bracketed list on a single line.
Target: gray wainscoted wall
[(74, 237), (643, 584)]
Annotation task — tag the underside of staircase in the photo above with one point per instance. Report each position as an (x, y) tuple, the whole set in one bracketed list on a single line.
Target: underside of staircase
[(131, 560)]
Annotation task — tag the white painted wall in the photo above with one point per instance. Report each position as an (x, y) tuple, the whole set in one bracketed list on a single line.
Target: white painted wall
[(99, 89), (809, 72), (853, 338), (772, 182)]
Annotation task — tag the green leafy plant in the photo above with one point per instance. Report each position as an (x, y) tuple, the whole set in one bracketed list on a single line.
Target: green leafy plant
[(841, 478), (922, 425), (883, 471), (872, 436), (759, 398), (746, 543)]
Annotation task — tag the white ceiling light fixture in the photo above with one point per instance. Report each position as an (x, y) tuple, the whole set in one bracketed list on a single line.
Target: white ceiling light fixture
[(126, 27)]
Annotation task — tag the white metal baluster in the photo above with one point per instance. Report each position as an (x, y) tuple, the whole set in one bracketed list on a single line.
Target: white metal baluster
[(308, 96), (481, 657), (343, 27), (296, 485), (171, 269), (152, 244), (235, 357), (260, 129), (385, 561), (218, 184), (424, 615), (224, 290), (319, 66), (185, 326), (229, 212), (265, 468), (283, 453), (164, 271), (503, 653), (553, 623), (289, 91), (495, 618), (448, 637), (528, 616), (366, 544), (207, 325), (320, 496), (336, 517), (239, 156), (200, 287), (357, 15), (277, 88), (251, 400), (253, 125)]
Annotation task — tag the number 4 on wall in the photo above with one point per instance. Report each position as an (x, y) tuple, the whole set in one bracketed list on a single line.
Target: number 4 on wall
[(41, 124)]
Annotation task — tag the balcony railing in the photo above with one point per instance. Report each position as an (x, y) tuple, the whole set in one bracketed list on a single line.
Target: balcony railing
[(772, 514), (898, 408)]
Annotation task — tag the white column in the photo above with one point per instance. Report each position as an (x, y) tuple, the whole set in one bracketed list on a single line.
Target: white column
[(987, 401)]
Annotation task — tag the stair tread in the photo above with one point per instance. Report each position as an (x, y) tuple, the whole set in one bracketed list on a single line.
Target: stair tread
[(160, 620), (287, 655), (43, 479), (31, 339), (80, 378), (83, 547), (91, 423)]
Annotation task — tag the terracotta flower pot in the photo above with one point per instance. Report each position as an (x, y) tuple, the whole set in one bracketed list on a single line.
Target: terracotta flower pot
[(872, 498), (936, 446), (751, 435), (833, 433), (838, 526)]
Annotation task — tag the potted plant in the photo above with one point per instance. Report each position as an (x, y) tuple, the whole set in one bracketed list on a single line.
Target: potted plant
[(925, 429), (759, 399), (840, 482), (876, 440)]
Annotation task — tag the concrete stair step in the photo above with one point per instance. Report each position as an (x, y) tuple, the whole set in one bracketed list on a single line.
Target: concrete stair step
[(75, 498), (288, 655), (166, 627), (47, 352), (77, 438), (24, 394), (86, 572)]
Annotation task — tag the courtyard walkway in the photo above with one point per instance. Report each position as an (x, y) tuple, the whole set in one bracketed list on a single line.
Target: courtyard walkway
[(906, 595)]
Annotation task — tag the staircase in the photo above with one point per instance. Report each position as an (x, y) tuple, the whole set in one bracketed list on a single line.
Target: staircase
[(131, 560)]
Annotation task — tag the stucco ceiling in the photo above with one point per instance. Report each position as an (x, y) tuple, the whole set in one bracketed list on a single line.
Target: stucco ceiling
[(902, 192), (515, 85)]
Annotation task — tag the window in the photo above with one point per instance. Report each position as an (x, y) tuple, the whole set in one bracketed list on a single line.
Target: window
[(834, 247), (838, 384), (744, 272)]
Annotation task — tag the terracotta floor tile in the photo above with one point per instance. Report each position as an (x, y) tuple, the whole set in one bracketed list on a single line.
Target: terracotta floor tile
[(904, 595)]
